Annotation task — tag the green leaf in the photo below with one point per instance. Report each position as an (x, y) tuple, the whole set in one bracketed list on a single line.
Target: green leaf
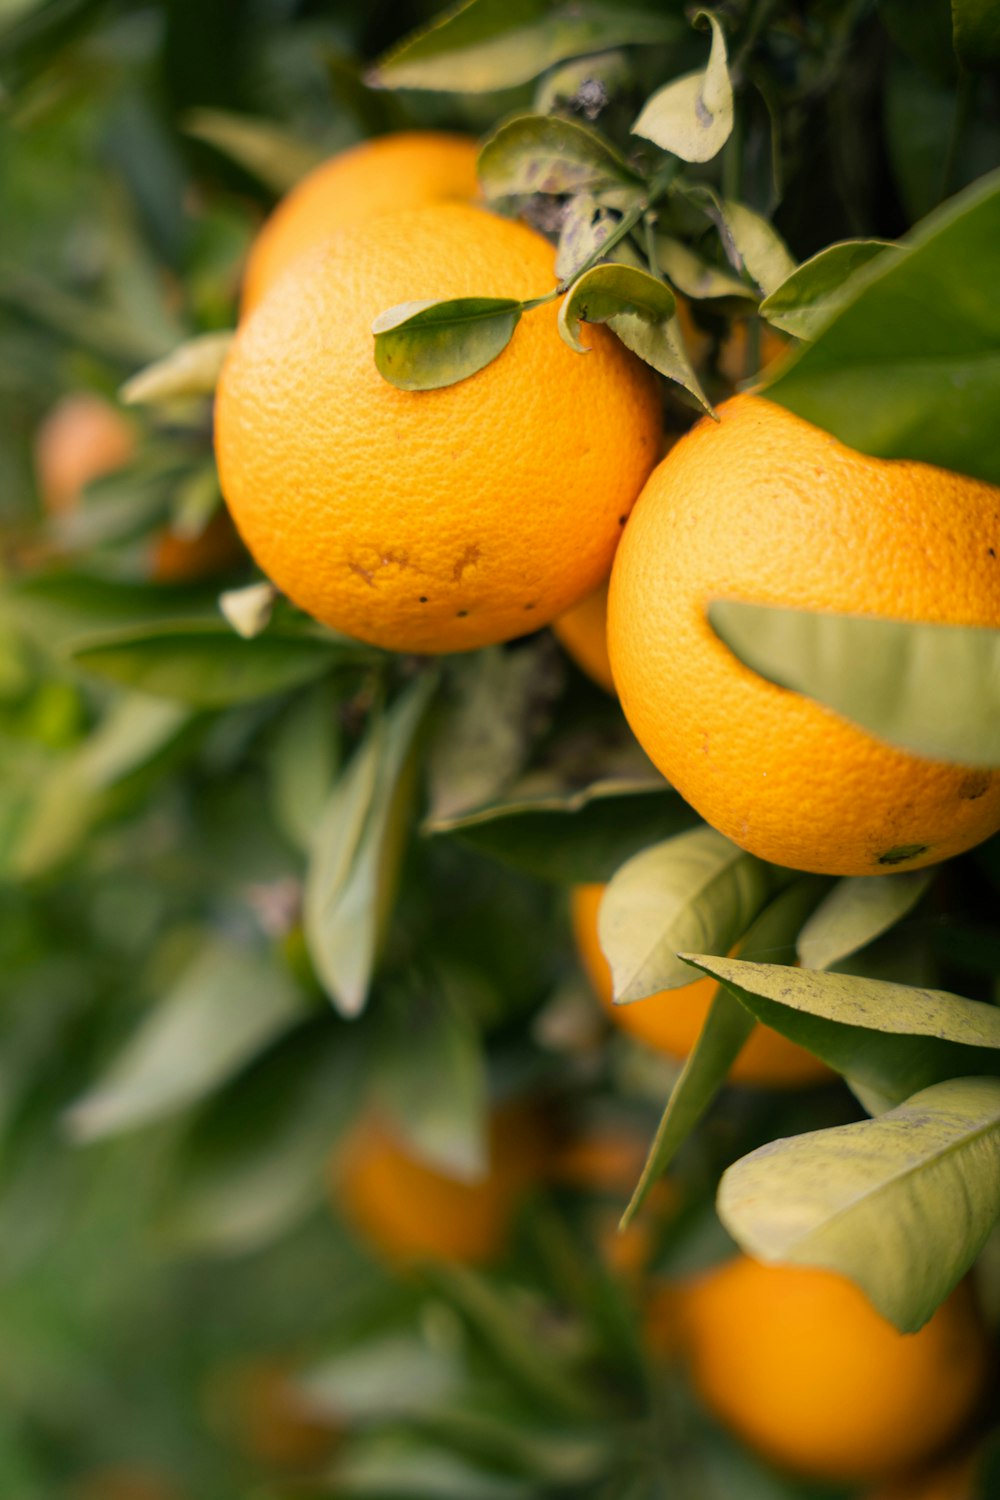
[(500, 704), (405, 1466), (252, 1162), (207, 666), (696, 888), (751, 243), (604, 293), (727, 1026), (902, 1205), (585, 227), (892, 1038), (351, 879), (274, 156), (484, 45), (191, 370), (639, 309), (976, 26), (302, 761), (698, 278), (900, 383), (816, 291), (543, 154), (693, 116), (859, 909), (584, 83), (430, 1077), (228, 1005), (394, 1376), (571, 844), (930, 689), (421, 346)]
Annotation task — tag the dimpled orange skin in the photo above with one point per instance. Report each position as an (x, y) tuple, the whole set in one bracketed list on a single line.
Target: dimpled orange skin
[(409, 1210), (799, 1364), (436, 520), (405, 170), (765, 508), (583, 633), (671, 1022)]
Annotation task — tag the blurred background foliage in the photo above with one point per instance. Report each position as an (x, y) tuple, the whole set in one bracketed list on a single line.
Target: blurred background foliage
[(184, 1308)]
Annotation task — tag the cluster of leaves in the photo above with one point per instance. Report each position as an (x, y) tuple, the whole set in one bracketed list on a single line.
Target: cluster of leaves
[(214, 822)]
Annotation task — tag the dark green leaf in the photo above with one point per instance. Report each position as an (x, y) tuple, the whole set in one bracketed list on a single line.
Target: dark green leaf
[(857, 911), (541, 154), (930, 689), (902, 1204), (891, 1038), (816, 291), (977, 32), (692, 117), (911, 367), (726, 1028), (302, 763), (421, 346), (694, 889), (227, 1006), (483, 45), (352, 875)]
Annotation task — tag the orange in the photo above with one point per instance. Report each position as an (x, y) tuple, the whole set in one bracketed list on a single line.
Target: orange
[(951, 1481), (732, 360), (798, 1363), (431, 520), (405, 170), (409, 1210), (178, 559), (124, 1482), (82, 438), (583, 632), (671, 1021), (254, 1406), (762, 506)]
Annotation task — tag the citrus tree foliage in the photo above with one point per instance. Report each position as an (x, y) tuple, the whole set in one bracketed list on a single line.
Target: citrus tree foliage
[(260, 880)]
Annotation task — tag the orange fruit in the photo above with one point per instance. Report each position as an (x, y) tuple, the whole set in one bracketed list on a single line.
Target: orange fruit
[(254, 1406), (732, 361), (409, 1210), (671, 1021), (583, 632), (82, 438), (798, 1363), (391, 172), (429, 520), (179, 559), (764, 507), (125, 1482), (950, 1481)]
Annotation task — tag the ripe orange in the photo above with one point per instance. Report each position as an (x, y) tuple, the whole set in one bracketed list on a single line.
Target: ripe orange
[(125, 1482), (391, 172), (434, 520), (799, 1364), (82, 438), (671, 1021), (180, 559), (411, 1211), (764, 507), (254, 1407), (583, 632)]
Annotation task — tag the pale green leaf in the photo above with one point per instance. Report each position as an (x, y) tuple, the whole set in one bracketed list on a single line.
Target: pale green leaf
[(902, 1205), (726, 1028), (483, 45), (696, 889), (351, 877), (542, 154), (930, 689), (421, 346), (695, 277), (890, 1038), (302, 761), (585, 227), (263, 149), (857, 911), (910, 368), (692, 116), (606, 293), (585, 83), (191, 370), (816, 290), (228, 1005)]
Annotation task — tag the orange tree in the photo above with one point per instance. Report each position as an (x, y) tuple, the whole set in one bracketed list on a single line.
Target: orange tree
[(314, 1132)]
